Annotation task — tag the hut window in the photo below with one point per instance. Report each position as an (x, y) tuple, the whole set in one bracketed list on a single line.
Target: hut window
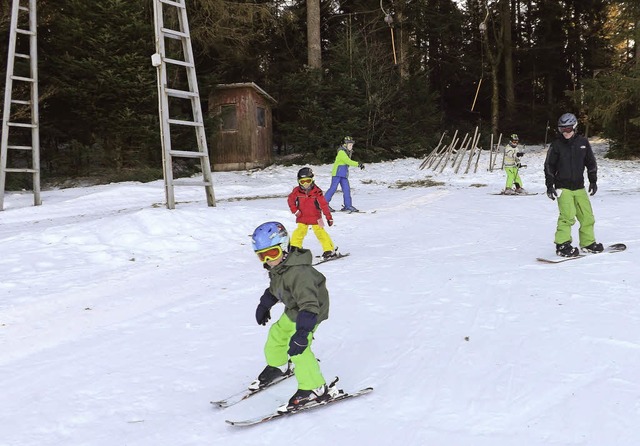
[(260, 117), (228, 115)]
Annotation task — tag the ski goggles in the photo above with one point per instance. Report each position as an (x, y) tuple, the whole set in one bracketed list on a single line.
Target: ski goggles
[(567, 129), (305, 181), (271, 253)]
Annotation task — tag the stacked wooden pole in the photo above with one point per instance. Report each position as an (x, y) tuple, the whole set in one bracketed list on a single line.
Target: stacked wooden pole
[(453, 154)]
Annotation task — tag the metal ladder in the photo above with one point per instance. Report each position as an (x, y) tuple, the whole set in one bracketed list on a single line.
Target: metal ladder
[(184, 65), (24, 120)]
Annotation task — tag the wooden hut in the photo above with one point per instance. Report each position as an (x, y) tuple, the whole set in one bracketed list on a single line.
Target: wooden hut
[(244, 137)]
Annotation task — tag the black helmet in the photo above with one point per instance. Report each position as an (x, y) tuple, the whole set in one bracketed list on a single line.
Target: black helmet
[(305, 172)]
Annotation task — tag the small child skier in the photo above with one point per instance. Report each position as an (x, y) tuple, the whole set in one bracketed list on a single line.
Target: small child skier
[(512, 166), (340, 174), (307, 203), (302, 289)]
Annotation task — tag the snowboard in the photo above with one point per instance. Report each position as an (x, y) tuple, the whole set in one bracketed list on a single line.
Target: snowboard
[(616, 247)]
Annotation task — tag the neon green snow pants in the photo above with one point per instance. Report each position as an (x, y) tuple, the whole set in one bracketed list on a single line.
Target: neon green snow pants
[(307, 369), (512, 177), (301, 232), (575, 204)]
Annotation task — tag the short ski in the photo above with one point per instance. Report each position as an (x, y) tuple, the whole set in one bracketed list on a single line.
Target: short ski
[(275, 414), (516, 195), (243, 395), (616, 247), (338, 255)]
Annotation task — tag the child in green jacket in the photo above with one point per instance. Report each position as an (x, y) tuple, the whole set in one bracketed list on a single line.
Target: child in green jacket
[(302, 289), (340, 174)]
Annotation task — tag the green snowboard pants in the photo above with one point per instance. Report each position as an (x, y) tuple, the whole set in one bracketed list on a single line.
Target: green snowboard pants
[(575, 204), (306, 367)]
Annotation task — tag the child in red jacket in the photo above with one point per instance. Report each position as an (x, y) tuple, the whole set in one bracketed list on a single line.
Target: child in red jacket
[(308, 204)]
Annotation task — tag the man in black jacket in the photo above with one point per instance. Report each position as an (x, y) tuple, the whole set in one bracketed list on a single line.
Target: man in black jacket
[(568, 156)]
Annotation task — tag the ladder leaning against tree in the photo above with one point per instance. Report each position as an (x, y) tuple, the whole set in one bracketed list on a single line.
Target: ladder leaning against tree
[(184, 64), (20, 120)]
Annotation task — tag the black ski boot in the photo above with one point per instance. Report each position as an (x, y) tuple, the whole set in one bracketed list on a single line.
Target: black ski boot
[(566, 250), (594, 248), (329, 254), (304, 397), (265, 377)]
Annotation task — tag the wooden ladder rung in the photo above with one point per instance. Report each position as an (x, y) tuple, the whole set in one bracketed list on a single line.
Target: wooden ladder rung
[(26, 32), (190, 183), (172, 3), (22, 124), (187, 123), (181, 93), (20, 147), (21, 78), (172, 33), (182, 63), (187, 154), (16, 169)]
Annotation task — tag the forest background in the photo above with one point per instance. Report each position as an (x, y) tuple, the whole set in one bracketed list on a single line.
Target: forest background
[(393, 74)]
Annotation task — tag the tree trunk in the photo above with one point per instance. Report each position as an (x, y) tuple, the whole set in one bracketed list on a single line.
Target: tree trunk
[(495, 100), (510, 97), (314, 53), (494, 54)]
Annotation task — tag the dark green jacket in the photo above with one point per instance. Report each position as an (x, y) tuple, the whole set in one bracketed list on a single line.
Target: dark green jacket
[(566, 161), (300, 286)]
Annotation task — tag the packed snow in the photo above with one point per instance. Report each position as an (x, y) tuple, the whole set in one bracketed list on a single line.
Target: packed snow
[(120, 320)]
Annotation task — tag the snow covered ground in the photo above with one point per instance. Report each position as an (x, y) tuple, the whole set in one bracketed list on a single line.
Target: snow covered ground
[(120, 320)]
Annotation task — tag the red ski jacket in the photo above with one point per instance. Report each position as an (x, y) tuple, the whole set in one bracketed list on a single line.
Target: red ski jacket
[(309, 203)]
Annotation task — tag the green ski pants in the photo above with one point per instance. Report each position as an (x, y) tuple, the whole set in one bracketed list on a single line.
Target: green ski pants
[(575, 204), (512, 177), (306, 367)]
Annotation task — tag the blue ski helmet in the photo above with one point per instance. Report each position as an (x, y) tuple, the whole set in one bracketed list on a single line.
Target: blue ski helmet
[(270, 234), (567, 120)]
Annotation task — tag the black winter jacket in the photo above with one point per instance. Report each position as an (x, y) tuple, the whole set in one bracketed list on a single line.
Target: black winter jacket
[(566, 161)]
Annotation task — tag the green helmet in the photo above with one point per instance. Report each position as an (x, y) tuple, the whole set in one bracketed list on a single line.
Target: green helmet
[(348, 140), (513, 140)]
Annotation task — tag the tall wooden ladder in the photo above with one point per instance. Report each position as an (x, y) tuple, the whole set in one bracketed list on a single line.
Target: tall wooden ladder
[(20, 120), (179, 65)]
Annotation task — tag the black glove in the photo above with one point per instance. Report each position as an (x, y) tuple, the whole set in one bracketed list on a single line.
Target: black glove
[(330, 222), (361, 166), (519, 154), (305, 323), (551, 192), (263, 313), (593, 188)]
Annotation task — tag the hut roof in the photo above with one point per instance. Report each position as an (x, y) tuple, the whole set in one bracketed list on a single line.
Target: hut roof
[(249, 85)]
